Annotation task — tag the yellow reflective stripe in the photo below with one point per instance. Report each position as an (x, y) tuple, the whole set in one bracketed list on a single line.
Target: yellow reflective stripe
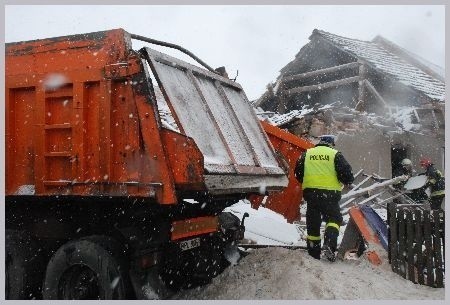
[(312, 237), (332, 224), (437, 193), (432, 181)]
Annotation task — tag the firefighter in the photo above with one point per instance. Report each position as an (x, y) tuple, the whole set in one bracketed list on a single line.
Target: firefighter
[(436, 182), (406, 167), (322, 170), (404, 170)]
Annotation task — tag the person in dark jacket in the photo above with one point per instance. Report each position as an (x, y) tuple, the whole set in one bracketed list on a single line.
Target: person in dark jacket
[(322, 170), (436, 182)]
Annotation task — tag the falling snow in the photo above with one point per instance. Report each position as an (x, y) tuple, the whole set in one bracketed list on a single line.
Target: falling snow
[(54, 81)]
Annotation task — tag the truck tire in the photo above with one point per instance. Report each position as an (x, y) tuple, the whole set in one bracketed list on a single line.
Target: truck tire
[(23, 271), (89, 268)]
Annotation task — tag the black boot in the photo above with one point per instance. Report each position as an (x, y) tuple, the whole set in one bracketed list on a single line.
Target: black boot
[(330, 244), (329, 253), (314, 248)]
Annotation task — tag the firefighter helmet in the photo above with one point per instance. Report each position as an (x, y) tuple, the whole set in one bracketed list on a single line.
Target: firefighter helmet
[(406, 162), (425, 162)]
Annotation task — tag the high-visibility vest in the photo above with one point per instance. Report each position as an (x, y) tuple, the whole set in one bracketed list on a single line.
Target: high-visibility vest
[(319, 172)]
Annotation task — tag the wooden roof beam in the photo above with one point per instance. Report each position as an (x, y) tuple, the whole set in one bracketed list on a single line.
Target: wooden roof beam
[(321, 71), (336, 83), (374, 92)]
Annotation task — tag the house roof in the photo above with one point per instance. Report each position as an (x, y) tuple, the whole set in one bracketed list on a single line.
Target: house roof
[(388, 62)]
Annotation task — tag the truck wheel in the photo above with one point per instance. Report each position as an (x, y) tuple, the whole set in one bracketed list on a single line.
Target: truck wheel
[(23, 274), (91, 268)]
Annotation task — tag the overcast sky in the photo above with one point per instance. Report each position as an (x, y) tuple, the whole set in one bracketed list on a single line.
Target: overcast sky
[(256, 40)]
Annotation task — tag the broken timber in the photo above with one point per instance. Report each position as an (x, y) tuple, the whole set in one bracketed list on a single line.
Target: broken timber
[(357, 229), (353, 193), (374, 92), (361, 85), (321, 71)]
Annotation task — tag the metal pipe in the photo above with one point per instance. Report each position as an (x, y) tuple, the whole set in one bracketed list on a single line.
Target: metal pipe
[(374, 187), (258, 246), (174, 46)]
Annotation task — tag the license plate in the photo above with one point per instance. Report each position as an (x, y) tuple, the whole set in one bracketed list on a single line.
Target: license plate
[(190, 244)]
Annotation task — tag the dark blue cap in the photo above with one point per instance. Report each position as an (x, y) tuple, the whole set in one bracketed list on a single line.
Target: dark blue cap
[(327, 139)]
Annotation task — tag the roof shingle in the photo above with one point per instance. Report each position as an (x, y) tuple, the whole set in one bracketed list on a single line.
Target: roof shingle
[(389, 63)]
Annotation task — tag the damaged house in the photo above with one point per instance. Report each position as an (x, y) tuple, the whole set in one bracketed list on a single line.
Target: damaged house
[(384, 102)]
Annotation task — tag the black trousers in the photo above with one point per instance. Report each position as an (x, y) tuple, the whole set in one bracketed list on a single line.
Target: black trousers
[(436, 201), (322, 205)]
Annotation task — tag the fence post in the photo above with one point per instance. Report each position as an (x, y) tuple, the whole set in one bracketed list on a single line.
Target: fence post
[(401, 244), (393, 235), (428, 247), (437, 249), (410, 245), (419, 242)]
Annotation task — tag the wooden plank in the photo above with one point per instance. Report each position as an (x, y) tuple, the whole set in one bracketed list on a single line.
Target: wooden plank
[(375, 92), (389, 207), (436, 124), (428, 248), (361, 84), (350, 240), (321, 71), (419, 243), (410, 244), (322, 86), (401, 244), (358, 173), (371, 198), (417, 115), (359, 184), (368, 234), (438, 250), (393, 233)]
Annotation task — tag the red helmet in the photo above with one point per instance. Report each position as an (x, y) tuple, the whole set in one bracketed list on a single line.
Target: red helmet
[(425, 162)]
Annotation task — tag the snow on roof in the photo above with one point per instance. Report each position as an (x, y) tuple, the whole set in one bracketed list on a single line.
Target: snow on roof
[(414, 59), (398, 120), (389, 63), (280, 119)]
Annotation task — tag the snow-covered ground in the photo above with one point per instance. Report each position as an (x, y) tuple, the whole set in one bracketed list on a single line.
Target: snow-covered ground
[(267, 227), (279, 273)]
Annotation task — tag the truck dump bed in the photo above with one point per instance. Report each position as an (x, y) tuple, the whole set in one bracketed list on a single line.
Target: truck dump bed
[(81, 119), (215, 112)]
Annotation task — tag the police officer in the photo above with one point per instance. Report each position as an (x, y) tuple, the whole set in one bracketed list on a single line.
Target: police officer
[(436, 181), (322, 170)]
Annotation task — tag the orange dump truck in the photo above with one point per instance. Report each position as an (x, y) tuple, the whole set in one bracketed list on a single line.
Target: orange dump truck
[(102, 202)]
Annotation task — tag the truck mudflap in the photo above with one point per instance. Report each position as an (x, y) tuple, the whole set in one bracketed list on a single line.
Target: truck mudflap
[(215, 112), (196, 259)]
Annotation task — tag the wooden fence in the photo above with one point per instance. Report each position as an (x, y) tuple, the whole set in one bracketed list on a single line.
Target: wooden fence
[(417, 244)]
